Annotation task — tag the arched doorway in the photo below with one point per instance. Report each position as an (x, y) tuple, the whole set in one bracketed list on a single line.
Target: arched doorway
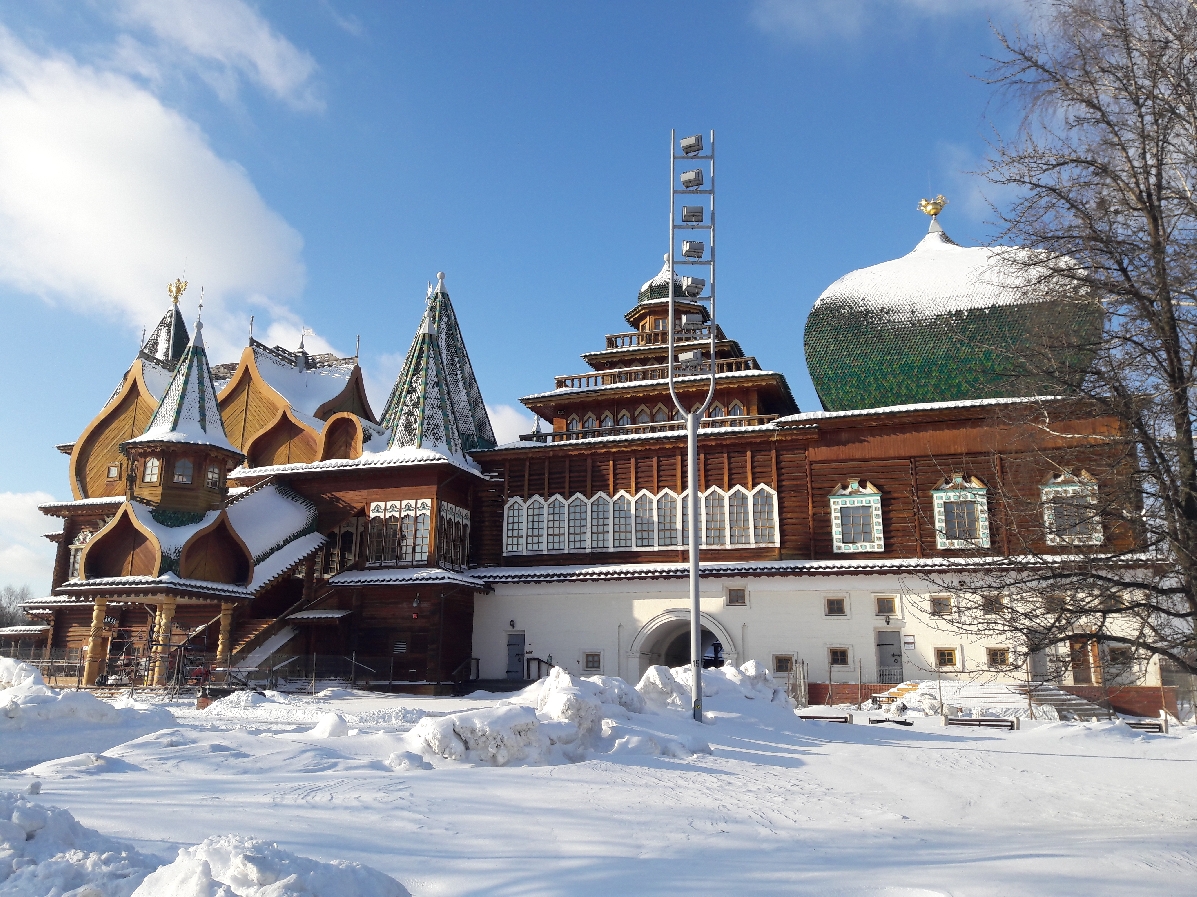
[(665, 639)]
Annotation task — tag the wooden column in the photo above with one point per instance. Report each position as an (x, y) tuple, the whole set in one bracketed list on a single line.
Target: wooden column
[(224, 644), (95, 643), (309, 574), (162, 656)]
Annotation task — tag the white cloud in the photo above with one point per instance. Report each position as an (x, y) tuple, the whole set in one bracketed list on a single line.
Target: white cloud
[(227, 39), (106, 194), (970, 193), (509, 422), (26, 558)]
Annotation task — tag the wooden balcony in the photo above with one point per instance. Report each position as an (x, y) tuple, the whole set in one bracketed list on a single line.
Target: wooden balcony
[(651, 372), (710, 423), (658, 337)]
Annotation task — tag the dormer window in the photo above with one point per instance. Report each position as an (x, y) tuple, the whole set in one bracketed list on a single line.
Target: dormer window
[(856, 518), (152, 468), (213, 477), (961, 513), (1070, 513), (183, 471)]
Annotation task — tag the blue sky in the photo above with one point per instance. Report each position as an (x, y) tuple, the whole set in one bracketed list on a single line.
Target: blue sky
[(315, 163)]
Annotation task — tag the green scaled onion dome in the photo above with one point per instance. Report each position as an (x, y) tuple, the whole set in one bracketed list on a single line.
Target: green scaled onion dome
[(949, 323)]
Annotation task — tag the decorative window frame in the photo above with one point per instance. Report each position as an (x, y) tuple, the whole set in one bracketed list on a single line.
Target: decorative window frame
[(761, 532), (573, 424), (607, 421), (855, 495), (961, 488), (660, 414), (1068, 484), (590, 422), (727, 590), (641, 496)]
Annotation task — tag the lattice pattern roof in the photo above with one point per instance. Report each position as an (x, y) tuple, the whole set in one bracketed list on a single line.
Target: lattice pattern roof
[(473, 422), (169, 339), (419, 412), (189, 412)]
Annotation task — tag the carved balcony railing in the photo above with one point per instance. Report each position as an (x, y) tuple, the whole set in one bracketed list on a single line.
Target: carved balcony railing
[(710, 423), (658, 337), (618, 376)]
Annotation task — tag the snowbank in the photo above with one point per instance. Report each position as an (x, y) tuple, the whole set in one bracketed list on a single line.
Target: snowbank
[(665, 688), (230, 865), (493, 735), (45, 851), (39, 723)]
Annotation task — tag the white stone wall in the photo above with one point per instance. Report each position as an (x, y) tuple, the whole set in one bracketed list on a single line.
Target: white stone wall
[(784, 615)]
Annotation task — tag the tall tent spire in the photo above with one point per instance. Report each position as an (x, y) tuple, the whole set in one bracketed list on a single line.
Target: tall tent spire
[(419, 412), (472, 418), (168, 340), (188, 412)]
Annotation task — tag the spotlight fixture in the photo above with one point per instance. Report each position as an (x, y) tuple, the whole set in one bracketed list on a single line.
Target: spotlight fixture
[(692, 179), (692, 145), (693, 286), (692, 214), (693, 249)]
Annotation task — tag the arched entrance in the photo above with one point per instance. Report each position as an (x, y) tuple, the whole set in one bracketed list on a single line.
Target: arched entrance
[(665, 639)]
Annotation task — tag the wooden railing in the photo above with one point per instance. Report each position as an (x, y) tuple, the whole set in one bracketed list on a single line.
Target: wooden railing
[(650, 372), (712, 423), (658, 337)]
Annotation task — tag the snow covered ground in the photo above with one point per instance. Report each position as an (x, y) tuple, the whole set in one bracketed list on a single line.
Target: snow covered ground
[(593, 787)]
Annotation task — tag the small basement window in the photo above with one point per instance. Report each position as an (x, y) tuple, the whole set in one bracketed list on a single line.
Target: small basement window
[(835, 607), (737, 597), (783, 663), (593, 662), (887, 605), (838, 657), (997, 658), (941, 605), (945, 657)]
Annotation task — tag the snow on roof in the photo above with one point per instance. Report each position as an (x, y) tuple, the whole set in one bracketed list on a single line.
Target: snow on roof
[(188, 412), (55, 508), (36, 629), (723, 375), (404, 576), (396, 457), (305, 387), (156, 377), (282, 560), (171, 538), (940, 276), (331, 614), (725, 428), (809, 416), (268, 517)]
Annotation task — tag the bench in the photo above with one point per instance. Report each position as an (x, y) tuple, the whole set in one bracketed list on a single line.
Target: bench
[(896, 722), (982, 722), (1159, 726), (846, 718)]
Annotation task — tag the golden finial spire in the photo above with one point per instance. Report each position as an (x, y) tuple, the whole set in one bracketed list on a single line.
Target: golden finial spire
[(932, 207), (175, 290)]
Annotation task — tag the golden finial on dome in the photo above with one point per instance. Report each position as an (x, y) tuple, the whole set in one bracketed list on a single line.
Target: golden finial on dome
[(932, 207), (175, 290)]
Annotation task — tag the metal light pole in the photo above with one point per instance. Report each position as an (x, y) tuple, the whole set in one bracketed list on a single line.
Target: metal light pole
[(692, 254)]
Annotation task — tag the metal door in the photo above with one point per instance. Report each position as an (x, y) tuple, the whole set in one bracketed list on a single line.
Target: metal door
[(515, 655), (889, 657)]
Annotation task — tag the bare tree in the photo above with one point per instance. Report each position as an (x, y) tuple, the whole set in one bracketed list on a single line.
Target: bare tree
[(11, 599), (1103, 166)]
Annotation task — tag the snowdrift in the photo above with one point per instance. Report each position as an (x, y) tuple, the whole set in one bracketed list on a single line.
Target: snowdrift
[(39, 723), (45, 851), (567, 719)]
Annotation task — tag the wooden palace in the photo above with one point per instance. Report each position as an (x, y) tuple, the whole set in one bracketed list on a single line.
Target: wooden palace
[(260, 518)]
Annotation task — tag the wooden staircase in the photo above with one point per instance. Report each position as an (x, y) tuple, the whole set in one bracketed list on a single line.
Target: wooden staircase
[(247, 631), (897, 693)]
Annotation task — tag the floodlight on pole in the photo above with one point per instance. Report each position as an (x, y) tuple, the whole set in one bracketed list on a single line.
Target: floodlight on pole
[(691, 362)]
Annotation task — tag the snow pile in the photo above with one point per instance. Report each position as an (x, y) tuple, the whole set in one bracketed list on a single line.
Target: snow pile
[(331, 725), (231, 865), (665, 688), (14, 672), (41, 723), (43, 850), (492, 735)]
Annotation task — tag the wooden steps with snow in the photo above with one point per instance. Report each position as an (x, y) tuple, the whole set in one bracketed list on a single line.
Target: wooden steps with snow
[(897, 692), (247, 631), (1067, 705)]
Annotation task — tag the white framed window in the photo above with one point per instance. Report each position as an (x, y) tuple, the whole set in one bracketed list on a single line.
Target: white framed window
[(683, 501), (608, 421), (835, 606), (625, 419), (114, 471), (643, 415), (885, 605), (579, 523), (739, 518), (534, 524), (646, 523), (714, 512), (399, 532), (555, 524), (764, 516), (660, 414), (592, 663), (621, 522), (589, 423), (600, 523), (514, 542), (736, 596), (152, 468), (213, 477), (573, 423), (856, 523), (838, 657), (77, 546), (1070, 512), (667, 520), (961, 513)]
